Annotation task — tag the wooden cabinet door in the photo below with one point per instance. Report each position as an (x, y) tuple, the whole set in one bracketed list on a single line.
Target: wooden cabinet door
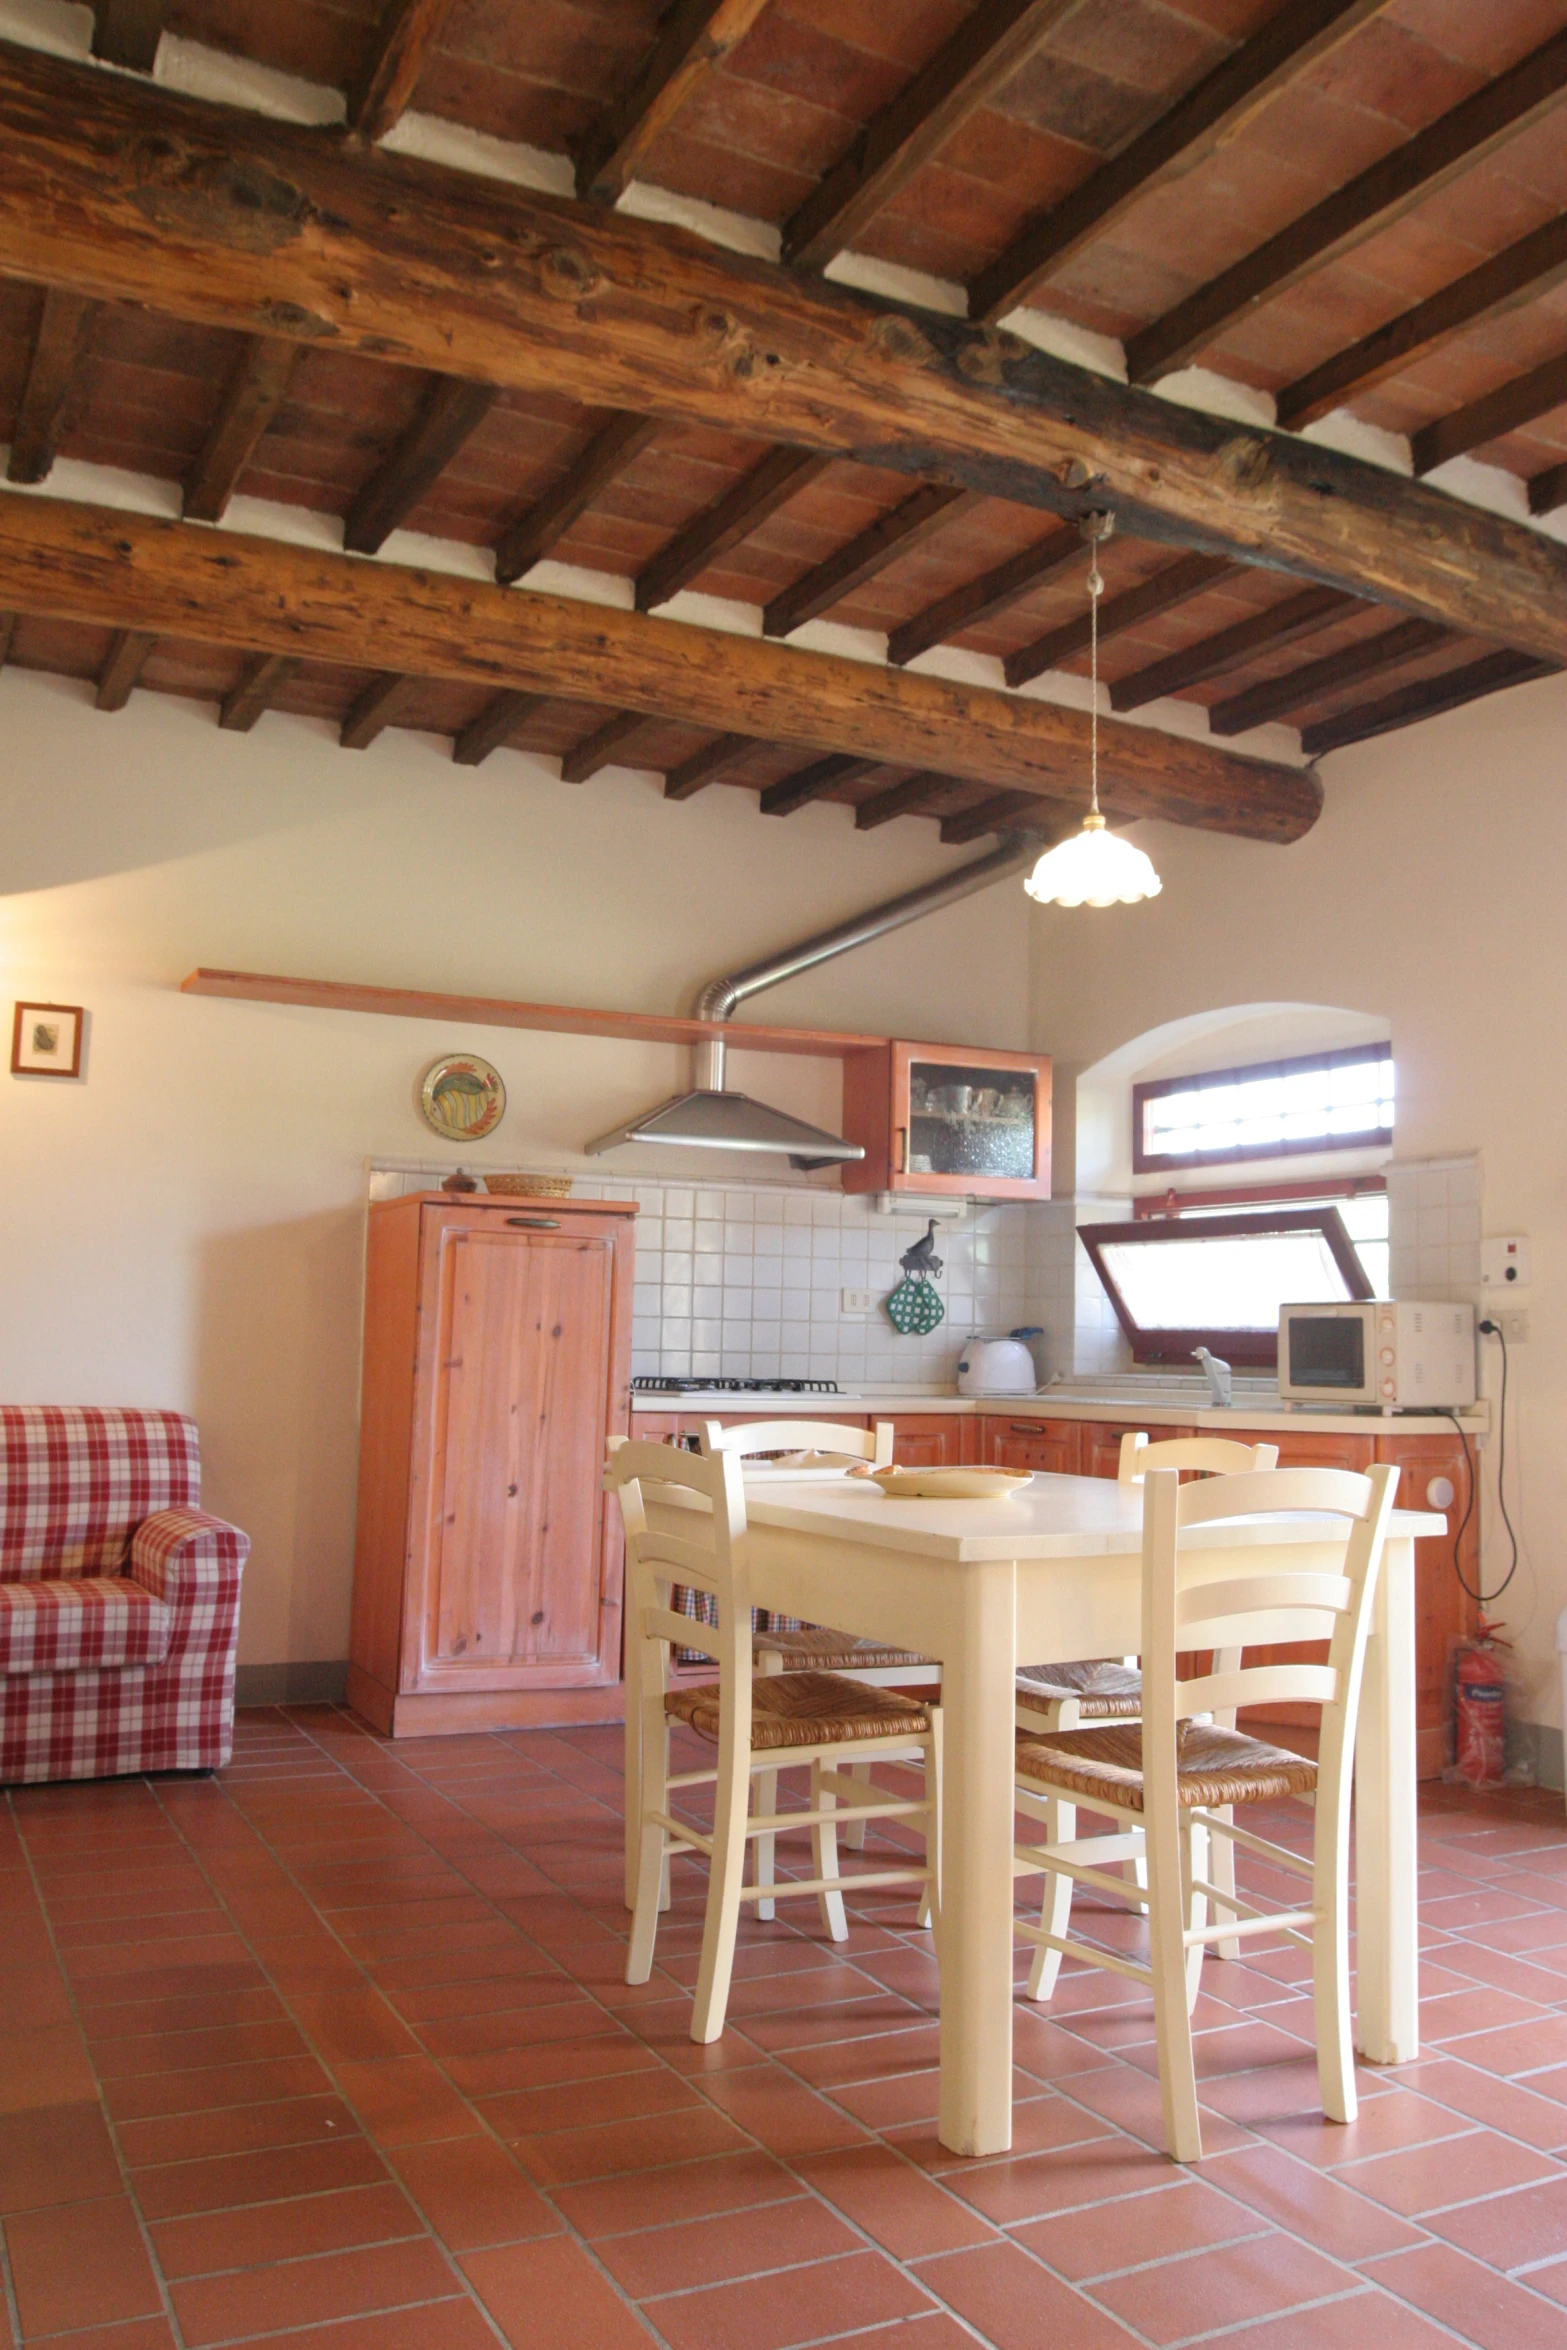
[(929, 1440), (1050, 1445), (1443, 1612), (515, 1559)]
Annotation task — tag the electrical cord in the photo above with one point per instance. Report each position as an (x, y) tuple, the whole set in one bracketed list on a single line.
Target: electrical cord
[(1488, 1329)]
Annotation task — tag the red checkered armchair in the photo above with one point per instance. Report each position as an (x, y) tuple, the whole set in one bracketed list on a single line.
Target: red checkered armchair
[(119, 1597)]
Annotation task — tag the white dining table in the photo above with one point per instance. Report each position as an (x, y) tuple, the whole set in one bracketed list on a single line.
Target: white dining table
[(1052, 1571)]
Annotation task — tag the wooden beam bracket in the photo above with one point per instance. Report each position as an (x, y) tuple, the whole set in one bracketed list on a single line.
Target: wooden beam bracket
[(64, 325)]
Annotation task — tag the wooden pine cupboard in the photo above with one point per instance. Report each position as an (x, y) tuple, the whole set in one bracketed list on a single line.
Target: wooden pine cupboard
[(488, 1569)]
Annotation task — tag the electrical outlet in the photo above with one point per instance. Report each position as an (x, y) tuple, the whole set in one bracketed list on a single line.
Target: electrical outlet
[(859, 1301), (1514, 1325)]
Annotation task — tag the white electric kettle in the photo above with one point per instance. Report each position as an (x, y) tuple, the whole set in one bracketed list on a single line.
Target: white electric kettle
[(997, 1366)]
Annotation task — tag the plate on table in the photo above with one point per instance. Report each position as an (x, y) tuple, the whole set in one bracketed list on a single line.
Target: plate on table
[(950, 1484), (794, 1466)]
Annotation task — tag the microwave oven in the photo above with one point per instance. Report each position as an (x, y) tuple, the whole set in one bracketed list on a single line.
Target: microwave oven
[(1393, 1356)]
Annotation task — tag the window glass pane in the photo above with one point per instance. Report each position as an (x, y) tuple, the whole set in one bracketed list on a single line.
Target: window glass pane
[(1233, 1281), (1250, 1116), (1365, 1219)]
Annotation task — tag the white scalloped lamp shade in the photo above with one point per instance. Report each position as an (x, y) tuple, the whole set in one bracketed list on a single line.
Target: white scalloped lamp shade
[(1093, 868)]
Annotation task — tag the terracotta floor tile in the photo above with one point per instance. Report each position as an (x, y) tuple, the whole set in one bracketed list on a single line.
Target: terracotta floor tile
[(610, 2098), (146, 2095), (80, 2264), (472, 2193), (712, 2251), (1519, 2048), (1010, 2188), (897, 2205), (46, 2065), (1159, 2224), (236, 2129), (549, 2063), (433, 2325), (788, 2118), (138, 2333), (1479, 2305), (129, 2053), (196, 2011), (35, 1995), (1223, 2285), (175, 2189), (1040, 2125), (663, 2198), (352, 2027), (807, 2304), (283, 2231), (1509, 2231), (55, 2154), (1016, 2304), (564, 2157), (1319, 2208), (551, 2297), (1423, 2179), (405, 2100), (311, 2292), (1383, 2126)]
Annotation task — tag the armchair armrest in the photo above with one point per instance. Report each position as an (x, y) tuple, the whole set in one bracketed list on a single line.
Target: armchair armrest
[(185, 1556)]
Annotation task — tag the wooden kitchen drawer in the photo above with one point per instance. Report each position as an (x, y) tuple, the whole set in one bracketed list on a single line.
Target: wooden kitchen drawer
[(1048, 1445)]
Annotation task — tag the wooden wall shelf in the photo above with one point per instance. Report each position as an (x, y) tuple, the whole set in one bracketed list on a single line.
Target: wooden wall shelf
[(336, 995)]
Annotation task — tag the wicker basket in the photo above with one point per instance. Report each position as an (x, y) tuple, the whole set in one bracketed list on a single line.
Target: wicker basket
[(529, 1186)]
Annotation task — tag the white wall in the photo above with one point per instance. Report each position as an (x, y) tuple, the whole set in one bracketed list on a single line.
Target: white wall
[(185, 1226), (1432, 894)]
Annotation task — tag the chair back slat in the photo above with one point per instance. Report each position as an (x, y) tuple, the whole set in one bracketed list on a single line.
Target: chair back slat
[(662, 1623), (1198, 1602), (1213, 1456), (707, 1549), (1221, 1693), (1340, 1493), (824, 1436)]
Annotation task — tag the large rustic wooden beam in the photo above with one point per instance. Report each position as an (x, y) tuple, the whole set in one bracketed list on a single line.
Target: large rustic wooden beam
[(982, 55), (1514, 403), (1296, 36), (399, 49), (1176, 585), (1227, 648), (260, 682), (601, 748), (1279, 697), (1426, 699), (1373, 201), (127, 32), (128, 655), (979, 599), (495, 725), (252, 398), (1548, 490), (451, 415), (613, 447), (64, 324), (1523, 273), (693, 39), (881, 543), (117, 188), (115, 569), (782, 475), (704, 766)]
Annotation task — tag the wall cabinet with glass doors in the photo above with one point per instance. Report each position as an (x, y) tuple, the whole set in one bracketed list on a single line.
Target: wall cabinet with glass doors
[(948, 1118)]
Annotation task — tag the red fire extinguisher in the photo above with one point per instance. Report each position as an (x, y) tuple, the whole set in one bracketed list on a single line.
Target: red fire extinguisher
[(1480, 1711)]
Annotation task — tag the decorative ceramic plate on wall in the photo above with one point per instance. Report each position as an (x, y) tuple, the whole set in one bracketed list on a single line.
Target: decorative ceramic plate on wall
[(462, 1097)]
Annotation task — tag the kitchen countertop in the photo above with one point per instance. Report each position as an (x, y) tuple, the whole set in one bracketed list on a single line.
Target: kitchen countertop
[(1158, 1407)]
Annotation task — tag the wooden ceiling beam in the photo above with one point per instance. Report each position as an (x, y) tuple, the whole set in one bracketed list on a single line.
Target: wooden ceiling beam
[(993, 815), (494, 727), (373, 711), (399, 50), (813, 783), (1296, 36), (615, 445), (1177, 584), (127, 32), (1523, 273), (705, 766), (982, 56), (254, 394), (128, 655), (911, 797), (1278, 697), (881, 543), (782, 475), (1548, 490), (1427, 699), (260, 682), (115, 569), (693, 39), (451, 415), (64, 324), (1513, 404), (1414, 171), (7, 636), (1280, 624), (266, 226), (980, 599), (602, 748)]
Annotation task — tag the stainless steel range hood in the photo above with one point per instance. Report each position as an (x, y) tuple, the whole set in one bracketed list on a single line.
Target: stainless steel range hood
[(710, 1117)]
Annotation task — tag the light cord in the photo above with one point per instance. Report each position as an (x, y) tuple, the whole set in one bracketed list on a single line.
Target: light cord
[(1096, 588)]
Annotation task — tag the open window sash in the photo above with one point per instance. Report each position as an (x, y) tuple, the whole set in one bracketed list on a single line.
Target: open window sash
[(1219, 1281)]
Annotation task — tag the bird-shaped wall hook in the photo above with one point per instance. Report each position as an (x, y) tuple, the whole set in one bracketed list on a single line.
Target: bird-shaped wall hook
[(921, 1258)]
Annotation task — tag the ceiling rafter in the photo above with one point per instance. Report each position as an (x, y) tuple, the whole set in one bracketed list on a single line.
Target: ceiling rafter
[(127, 32), (881, 543), (399, 50), (1548, 490), (1177, 584), (7, 634), (813, 783), (692, 775), (980, 58), (260, 681), (1518, 402), (911, 797), (1373, 201), (782, 475), (596, 305), (1525, 271), (1280, 697), (616, 445), (494, 726), (379, 706), (1229, 648), (693, 39), (1427, 699), (251, 399), (130, 649), (53, 371), (1001, 809), (1296, 37), (602, 748), (980, 599), (452, 413)]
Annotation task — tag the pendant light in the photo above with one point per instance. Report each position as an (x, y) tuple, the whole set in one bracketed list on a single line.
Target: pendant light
[(1094, 867)]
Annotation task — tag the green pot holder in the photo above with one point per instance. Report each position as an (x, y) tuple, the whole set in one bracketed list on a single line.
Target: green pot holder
[(914, 1308)]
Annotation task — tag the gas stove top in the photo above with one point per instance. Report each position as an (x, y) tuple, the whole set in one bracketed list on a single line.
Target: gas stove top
[(659, 1384)]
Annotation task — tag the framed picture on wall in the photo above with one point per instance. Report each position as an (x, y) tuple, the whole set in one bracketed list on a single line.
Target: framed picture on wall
[(46, 1040)]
